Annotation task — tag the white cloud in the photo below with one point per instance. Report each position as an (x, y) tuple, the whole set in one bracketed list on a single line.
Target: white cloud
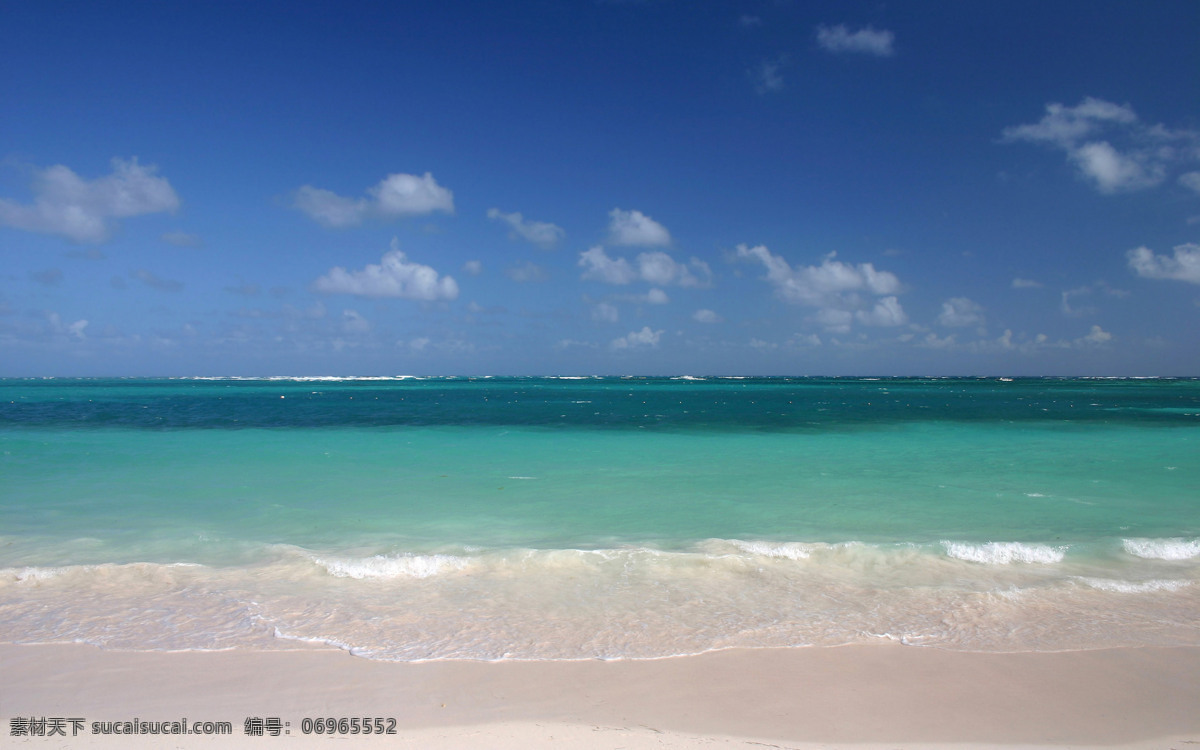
[(1068, 306), (84, 210), (1064, 126), (1113, 171), (1191, 180), (1141, 159), (1095, 337), (1026, 284), (706, 316), (599, 267), (66, 329), (156, 282), (635, 228), (655, 267), (352, 322), (395, 196), (766, 76), (473, 267), (538, 232), (866, 41), (932, 341), (832, 284), (960, 311), (887, 312), (1183, 266), (644, 337), (657, 297), (527, 272), (394, 276), (181, 239), (835, 321), (605, 313), (409, 195), (330, 209)]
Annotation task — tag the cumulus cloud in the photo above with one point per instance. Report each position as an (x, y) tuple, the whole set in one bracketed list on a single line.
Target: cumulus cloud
[(1026, 284), (657, 297), (473, 267), (706, 316), (655, 267), (842, 291), (831, 284), (395, 196), (599, 267), (1113, 171), (866, 41), (642, 338), (82, 210), (538, 232), (58, 327), (1065, 126), (1184, 265), (886, 312), (393, 276), (960, 311), (1095, 337), (635, 228), (1142, 155)]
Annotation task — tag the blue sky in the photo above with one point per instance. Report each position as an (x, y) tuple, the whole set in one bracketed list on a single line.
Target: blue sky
[(656, 187)]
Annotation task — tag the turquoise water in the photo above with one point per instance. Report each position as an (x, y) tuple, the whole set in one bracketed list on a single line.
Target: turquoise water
[(585, 518)]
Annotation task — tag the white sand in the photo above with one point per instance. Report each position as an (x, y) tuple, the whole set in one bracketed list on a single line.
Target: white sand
[(885, 696)]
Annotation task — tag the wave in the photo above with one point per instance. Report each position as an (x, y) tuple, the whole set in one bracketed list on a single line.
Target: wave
[(1005, 553), (303, 378), (787, 550), (392, 566), (1163, 549), (1135, 587)]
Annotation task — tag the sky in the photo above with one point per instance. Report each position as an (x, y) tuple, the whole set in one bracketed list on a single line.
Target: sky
[(572, 187)]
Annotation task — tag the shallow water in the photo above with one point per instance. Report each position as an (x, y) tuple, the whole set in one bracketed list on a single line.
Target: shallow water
[(599, 518)]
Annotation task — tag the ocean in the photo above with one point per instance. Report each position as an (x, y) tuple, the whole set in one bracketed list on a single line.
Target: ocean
[(599, 517)]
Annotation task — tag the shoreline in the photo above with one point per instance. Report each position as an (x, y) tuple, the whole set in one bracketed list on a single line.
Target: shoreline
[(861, 695)]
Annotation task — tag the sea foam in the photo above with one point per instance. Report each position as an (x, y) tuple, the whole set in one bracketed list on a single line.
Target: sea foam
[(1005, 553), (788, 550), (1163, 549), (1135, 587), (391, 566)]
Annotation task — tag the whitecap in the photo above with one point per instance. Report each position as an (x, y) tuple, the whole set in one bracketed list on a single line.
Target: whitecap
[(787, 550), (1163, 549), (394, 566), (1004, 553)]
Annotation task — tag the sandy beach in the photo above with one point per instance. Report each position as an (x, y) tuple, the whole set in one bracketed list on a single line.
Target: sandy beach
[(866, 696)]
